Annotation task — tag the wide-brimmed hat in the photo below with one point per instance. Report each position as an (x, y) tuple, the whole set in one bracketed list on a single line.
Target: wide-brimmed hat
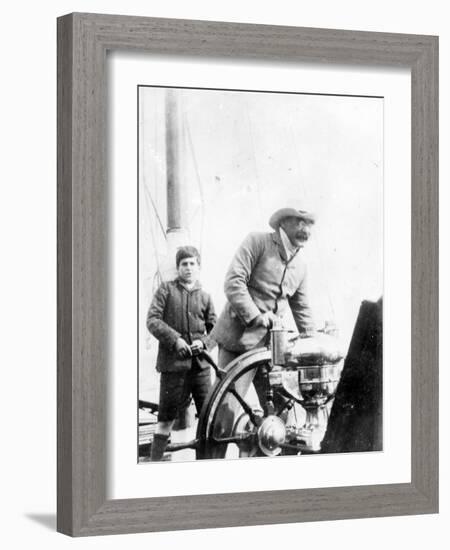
[(279, 215)]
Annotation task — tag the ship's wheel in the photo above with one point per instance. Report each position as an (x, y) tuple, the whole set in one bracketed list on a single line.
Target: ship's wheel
[(245, 414)]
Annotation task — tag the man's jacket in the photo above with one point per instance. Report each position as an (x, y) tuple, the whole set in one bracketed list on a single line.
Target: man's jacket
[(261, 279), (178, 312)]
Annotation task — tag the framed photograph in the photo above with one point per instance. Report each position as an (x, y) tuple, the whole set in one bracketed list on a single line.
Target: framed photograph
[(247, 274)]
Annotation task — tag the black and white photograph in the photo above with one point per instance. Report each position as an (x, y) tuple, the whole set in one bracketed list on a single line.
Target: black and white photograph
[(260, 272), (223, 236)]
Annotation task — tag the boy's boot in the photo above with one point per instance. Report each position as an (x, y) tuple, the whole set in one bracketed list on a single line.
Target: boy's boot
[(159, 445)]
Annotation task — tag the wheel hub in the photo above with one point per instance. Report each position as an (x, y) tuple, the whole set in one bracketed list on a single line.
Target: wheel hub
[(271, 434)]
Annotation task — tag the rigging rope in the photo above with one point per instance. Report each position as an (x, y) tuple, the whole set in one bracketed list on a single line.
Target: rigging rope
[(199, 182), (157, 276), (150, 198)]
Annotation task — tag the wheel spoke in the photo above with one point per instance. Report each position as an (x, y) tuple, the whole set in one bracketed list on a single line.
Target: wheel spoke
[(236, 438), (255, 420)]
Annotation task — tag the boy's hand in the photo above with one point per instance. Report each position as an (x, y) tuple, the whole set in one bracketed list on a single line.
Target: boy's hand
[(196, 347), (182, 348)]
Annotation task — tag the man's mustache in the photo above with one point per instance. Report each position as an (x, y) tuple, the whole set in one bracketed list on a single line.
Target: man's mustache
[(302, 235)]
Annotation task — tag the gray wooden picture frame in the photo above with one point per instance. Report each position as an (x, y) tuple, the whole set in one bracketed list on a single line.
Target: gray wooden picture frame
[(83, 41)]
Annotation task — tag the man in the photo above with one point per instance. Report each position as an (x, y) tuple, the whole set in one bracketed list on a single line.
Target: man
[(180, 317), (266, 277)]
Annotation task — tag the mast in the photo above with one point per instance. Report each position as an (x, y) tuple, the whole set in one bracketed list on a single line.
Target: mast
[(173, 131), (176, 230)]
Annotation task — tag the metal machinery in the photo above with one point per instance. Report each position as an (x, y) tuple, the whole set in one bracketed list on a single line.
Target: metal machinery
[(270, 401)]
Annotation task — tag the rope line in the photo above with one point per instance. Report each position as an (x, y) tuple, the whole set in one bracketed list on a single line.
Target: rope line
[(199, 182), (150, 198), (157, 276)]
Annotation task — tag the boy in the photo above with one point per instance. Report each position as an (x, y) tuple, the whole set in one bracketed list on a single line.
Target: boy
[(180, 317)]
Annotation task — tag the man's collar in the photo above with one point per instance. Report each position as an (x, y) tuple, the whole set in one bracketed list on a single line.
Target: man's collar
[(289, 248), (277, 239)]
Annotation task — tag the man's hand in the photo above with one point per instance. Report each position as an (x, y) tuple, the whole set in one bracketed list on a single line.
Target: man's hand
[(182, 348), (197, 346), (265, 320)]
